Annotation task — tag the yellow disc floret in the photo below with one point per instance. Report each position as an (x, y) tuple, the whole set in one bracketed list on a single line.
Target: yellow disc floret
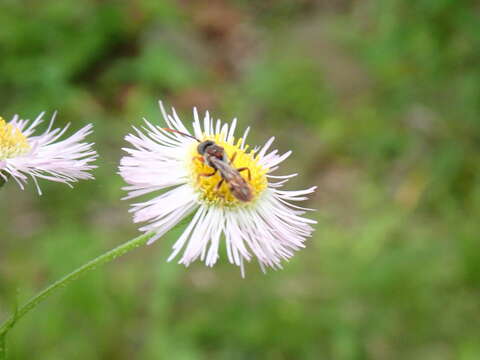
[(208, 185), (12, 142)]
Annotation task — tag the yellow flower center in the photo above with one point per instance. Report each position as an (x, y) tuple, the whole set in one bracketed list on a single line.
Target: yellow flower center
[(12, 142), (208, 185)]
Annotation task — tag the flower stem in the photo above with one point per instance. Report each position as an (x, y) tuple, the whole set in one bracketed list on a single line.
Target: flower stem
[(3, 349), (49, 290)]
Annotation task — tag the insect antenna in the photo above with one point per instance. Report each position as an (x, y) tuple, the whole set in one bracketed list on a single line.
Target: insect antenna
[(181, 133)]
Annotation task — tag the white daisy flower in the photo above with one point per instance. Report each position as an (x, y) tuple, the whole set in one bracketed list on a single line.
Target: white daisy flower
[(24, 154), (233, 197)]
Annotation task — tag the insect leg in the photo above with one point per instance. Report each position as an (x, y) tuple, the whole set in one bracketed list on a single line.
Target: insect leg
[(233, 157), (217, 187), (243, 169), (199, 158), (206, 175)]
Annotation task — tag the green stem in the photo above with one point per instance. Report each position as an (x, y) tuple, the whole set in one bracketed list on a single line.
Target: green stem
[(3, 349), (49, 290)]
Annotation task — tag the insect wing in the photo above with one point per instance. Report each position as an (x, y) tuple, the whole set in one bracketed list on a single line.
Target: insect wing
[(238, 186), (227, 171)]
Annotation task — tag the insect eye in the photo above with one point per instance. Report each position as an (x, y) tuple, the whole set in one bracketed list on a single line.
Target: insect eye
[(203, 146)]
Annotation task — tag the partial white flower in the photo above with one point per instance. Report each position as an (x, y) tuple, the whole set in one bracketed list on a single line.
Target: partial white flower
[(45, 156), (267, 226)]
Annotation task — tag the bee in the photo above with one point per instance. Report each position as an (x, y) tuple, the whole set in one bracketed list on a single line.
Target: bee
[(215, 156)]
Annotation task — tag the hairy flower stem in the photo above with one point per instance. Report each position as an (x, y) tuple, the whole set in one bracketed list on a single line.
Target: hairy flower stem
[(49, 290)]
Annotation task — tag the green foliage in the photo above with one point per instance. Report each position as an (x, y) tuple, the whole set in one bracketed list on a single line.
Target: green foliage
[(379, 100)]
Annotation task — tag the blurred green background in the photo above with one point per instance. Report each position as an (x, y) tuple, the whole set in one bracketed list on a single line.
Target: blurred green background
[(378, 99)]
